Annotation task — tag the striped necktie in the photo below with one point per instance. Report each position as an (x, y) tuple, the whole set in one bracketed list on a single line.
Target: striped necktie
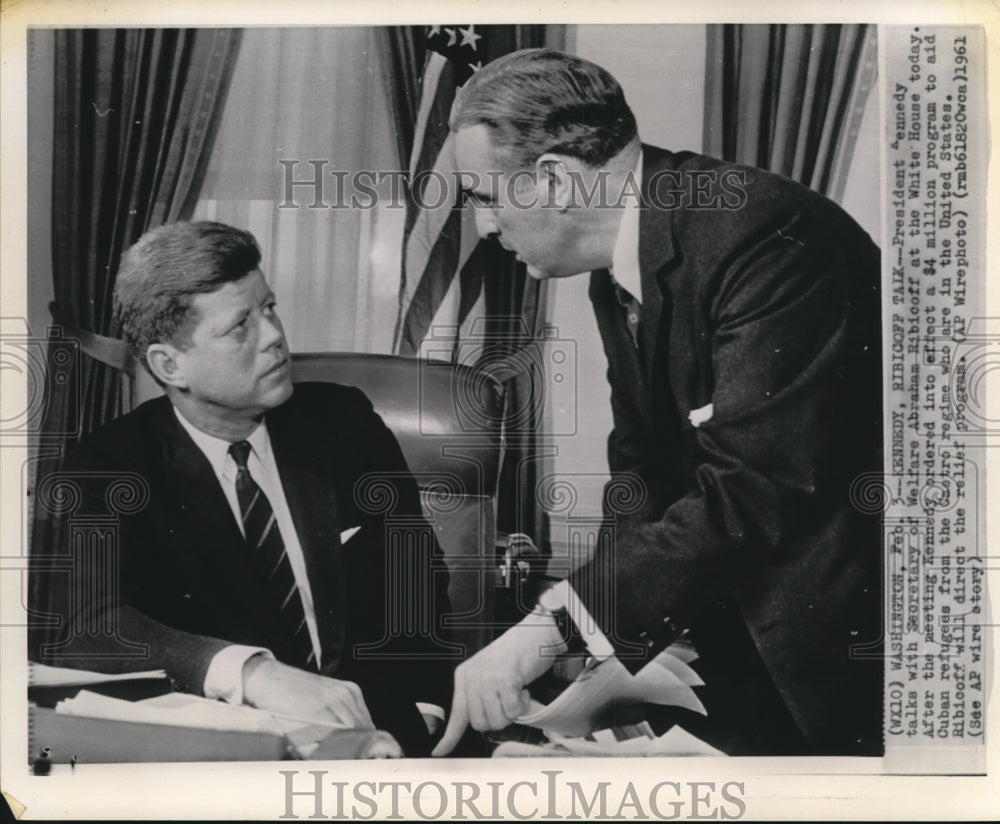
[(267, 549)]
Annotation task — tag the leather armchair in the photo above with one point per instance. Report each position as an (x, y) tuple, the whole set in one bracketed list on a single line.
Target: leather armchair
[(447, 420)]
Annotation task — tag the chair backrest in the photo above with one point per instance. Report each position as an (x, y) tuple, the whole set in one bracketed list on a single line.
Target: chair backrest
[(447, 420)]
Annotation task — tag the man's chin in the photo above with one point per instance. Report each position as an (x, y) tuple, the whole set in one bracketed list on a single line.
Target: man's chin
[(547, 274), (279, 393)]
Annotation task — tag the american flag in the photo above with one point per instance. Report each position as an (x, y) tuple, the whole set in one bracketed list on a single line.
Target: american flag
[(441, 296)]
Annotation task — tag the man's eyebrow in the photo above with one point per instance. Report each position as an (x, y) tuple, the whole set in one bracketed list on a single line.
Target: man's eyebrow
[(231, 319), (486, 196)]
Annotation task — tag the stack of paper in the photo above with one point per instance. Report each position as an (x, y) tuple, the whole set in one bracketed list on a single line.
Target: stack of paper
[(667, 679), (179, 709), (42, 675), (675, 742), (176, 709), (49, 685)]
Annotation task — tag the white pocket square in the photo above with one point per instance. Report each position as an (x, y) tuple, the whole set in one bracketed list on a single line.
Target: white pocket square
[(347, 534), (699, 416)]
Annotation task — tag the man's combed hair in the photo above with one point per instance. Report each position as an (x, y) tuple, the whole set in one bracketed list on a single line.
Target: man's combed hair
[(161, 272), (536, 101)]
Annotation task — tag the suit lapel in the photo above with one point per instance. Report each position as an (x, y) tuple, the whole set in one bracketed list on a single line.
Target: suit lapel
[(656, 250), (310, 490), (204, 506)]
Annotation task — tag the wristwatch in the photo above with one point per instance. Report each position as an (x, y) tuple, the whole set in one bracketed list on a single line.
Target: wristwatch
[(551, 605)]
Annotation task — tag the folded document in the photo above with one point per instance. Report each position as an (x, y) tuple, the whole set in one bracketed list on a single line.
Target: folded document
[(578, 709)]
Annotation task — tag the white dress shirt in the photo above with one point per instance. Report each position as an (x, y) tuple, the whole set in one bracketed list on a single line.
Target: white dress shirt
[(224, 678), (625, 257)]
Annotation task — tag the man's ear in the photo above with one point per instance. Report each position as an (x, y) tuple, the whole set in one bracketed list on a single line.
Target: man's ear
[(554, 169), (164, 363)]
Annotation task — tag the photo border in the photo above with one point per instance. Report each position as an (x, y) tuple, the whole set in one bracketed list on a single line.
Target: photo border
[(782, 788)]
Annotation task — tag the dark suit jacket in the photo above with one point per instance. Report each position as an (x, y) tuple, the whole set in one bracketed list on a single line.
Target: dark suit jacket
[(187, 589), (769, 310)]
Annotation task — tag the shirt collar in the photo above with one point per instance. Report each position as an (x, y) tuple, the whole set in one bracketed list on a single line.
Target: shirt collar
[(625, 257), (217, 449)]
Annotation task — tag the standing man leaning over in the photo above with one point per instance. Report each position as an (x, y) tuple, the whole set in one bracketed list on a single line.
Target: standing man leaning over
[(254, 570), (740, 317)]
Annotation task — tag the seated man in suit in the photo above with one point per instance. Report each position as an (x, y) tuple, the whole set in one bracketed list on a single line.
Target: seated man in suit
[(259, 569)]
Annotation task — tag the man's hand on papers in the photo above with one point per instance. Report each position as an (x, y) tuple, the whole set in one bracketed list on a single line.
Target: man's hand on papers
[(279, 688), (490, 687)]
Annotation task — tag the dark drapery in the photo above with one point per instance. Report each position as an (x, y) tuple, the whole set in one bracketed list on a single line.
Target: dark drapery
[(135, 116), (789, 98), (406, 50)]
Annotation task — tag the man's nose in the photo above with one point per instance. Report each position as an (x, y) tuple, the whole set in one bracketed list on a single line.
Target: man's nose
[(486, 224), (272, 332)]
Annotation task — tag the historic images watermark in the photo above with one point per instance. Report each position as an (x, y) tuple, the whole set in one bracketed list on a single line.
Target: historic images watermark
[(668, 189), (316, 794)]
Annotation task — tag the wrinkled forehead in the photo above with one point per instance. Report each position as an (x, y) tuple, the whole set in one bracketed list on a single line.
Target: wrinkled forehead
[(228, 300), (478, 148), (474, 149)]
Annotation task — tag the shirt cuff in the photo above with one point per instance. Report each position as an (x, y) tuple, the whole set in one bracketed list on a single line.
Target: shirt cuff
[(430, 709), (224, 678), (563, 596)]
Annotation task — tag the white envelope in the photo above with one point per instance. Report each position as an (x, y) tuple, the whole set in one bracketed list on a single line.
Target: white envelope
[(347, 534)]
